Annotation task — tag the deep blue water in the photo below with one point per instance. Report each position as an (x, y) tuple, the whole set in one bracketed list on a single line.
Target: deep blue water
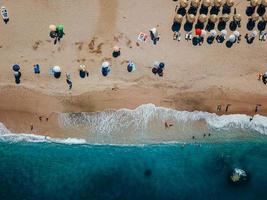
[(57, 171)]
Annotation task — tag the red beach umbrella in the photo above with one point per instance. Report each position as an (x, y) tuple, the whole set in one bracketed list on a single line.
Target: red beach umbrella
[(198, 31)]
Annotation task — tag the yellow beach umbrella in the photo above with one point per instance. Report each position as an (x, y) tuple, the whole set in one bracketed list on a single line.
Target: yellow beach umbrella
[(218, 3), (230, 3), (202, 18), (255, 17), (213, 18), (264, 17), (225, 18), (237, 17), (264, 3), (178, 18), (191, 18), (255, 3), (183, 3), (206, 3), (195, 3)]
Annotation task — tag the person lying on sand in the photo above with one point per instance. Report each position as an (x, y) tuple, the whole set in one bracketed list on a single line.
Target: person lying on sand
[(168, 124)]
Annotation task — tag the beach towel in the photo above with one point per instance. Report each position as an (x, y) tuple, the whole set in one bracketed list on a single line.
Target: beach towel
[(36, 69)]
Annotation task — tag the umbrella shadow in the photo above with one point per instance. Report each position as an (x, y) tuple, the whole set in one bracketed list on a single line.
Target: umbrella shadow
[(195, 41), (210, 39), (116, 54), (226, 9), (83, 74), (220, 39), (181, 11), (176, 26), (249, 11), (199, 25), (251, 25), (210, 25), (203, 10), (192, 10), (229, 44), (214, 10), (233, 25), (261, 25), (261, 10), (188, 26), (250, 41), (221, 25)]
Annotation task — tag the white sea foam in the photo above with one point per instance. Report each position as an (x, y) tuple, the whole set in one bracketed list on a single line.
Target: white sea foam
[(143, 117)]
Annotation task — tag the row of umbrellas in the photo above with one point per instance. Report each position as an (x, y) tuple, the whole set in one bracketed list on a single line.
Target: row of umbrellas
[(206, 3), (202, 18), (219, 3)]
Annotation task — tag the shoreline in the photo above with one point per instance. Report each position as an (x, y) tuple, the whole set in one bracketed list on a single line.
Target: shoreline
[(19, 118)]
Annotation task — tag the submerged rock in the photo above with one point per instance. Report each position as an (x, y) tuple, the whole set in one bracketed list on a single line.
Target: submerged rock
[(238, 176)]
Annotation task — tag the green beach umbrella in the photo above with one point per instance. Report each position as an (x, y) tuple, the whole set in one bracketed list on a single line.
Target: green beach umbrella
[(60, 27)]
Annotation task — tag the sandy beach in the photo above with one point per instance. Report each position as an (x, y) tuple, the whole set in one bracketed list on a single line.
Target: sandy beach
[(195, 78)]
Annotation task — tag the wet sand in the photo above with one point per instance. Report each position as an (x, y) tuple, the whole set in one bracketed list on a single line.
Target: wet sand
[(195, 78)]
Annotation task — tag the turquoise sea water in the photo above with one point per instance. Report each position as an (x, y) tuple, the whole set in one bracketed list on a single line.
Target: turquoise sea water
[(165, 171)]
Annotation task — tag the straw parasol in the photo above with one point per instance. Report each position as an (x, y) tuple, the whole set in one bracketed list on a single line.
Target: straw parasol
[(264, 17), (183, 3), (116, 48), (225, 18), (202, 18), (237, 17), (230, 3), (213, 18), (255, 17), (52, 27), (213, 32), (191, 18), (82, 68), (264, 3), (236, 34), (224, 32), (195, 3), (232, 38), (178, 18), (218, 3), (254, 3), (206, 3)]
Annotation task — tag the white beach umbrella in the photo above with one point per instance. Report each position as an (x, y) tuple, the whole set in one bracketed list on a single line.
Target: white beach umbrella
[(56, 69), (254, 33), (236, 34), (232, 38), (203, 33), (213, 32), (105, 64), (224, 32)]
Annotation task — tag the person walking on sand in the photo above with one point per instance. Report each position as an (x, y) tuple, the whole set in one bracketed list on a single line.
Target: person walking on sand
[(69, 82)]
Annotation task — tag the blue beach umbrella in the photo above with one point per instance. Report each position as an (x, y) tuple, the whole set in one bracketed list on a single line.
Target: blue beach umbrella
[(16, 67), (131, 67)]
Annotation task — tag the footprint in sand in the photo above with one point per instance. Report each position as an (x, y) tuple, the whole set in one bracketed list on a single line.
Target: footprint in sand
[(79, 45), (93, 49), (36, 44)]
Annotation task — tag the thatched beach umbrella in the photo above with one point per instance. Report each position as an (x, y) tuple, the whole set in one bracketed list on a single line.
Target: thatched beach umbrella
[(213, 18), (206, 3), (255, 3), (218, 3), (225, 18), (178, 18), (183, 3), (237, 17), (195, 3), (264, 17), (264, 3), (255, 17), (191, 18), (230, 3), (202, 18)]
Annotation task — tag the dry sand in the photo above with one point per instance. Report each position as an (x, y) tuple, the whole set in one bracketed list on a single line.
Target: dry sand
[(195, 78)]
